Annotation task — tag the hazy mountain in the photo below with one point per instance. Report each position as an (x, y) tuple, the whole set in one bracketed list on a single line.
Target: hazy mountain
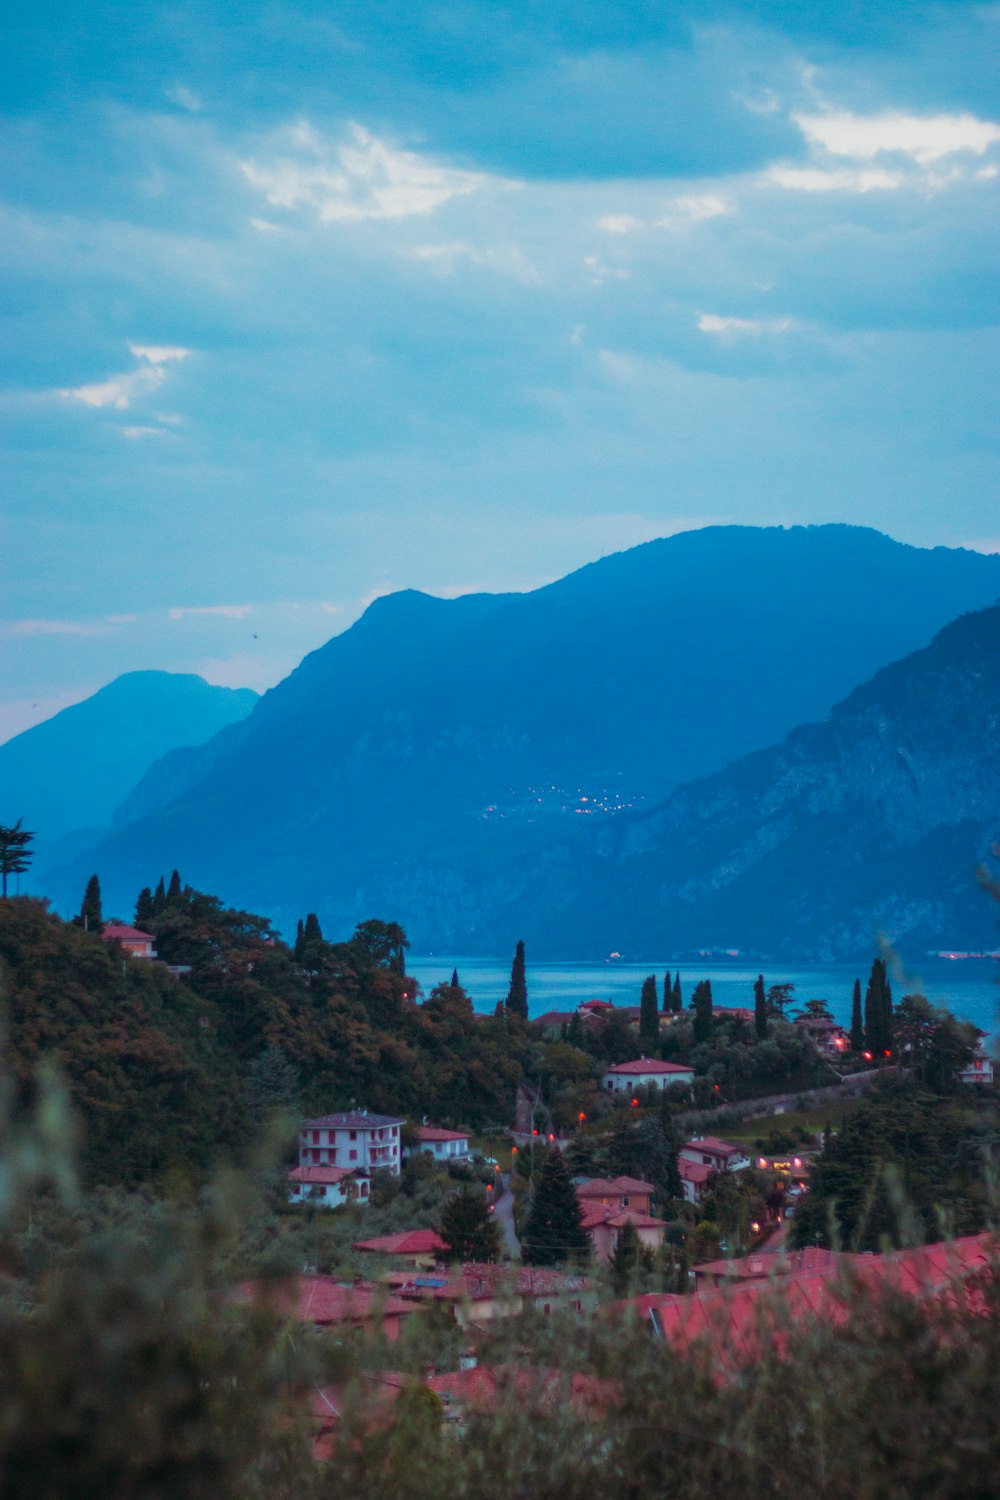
[(872, 821), (71, 771), (422, 763)]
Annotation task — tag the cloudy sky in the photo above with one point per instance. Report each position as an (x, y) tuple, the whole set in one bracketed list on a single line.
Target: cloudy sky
[(305, 302)]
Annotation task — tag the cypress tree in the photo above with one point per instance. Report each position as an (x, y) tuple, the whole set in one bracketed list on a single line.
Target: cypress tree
[(760, 1008), (857, 1025), (701, 1004), (629, 1258), (174, 890), (554, 1231), (678, 999), (145, 911), (312, 932), (517, 995), (297, 950), (668, 994), (887, 1028), (649, 1020), (90, 916), (878, 1010), (454, 980), (159, 898)]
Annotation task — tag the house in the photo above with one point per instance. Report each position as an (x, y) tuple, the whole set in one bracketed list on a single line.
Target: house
[(604, 1224), (355, 1139), (328, 1303), (764, 1265), (695, 1177), (443, 1145), (616, 1192), (328, 1187), (478, 1293), (418, 1248), (709, 1151), (831, 1040), (135, 943), (626, 1077), (979, 1068)]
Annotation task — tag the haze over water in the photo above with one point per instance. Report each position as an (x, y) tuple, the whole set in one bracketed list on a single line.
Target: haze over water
[(968, 988)]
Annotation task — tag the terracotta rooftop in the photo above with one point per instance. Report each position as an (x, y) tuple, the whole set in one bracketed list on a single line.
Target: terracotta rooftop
[(694, 1171), (324, 1300), (593, 1214), (613, 1187), (352, 1119), (320, 1175), (713, 1144), (410, 1242), (648, 1065), (120, 932), (438, 1133)]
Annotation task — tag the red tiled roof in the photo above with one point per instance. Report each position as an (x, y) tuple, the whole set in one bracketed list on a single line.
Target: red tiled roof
[(768, 1263), (483, 1385), (593, 1214), (323, 1300), (554, 1018), (354, 1119), (328, 1175), (436, 1133), (120, 932), (410, 1242), (712, 1143), (694, 1171), (478, 1282), (647, 1065), (610, 1187)]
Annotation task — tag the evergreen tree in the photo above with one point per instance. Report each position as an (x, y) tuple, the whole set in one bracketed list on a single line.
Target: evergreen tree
[(297, 950), (454, 980), (272, 1084), (629, 1259), (468, 1228), (574, 1031), (701, 1004), (90, 918), (760, 1008), (668, 994), (678, 998), (15, 856), (174, 891), (145, 911), (554, 1231), (159, 897), (517, 995), (857, 1025), (649, 1020), (878, 1011)]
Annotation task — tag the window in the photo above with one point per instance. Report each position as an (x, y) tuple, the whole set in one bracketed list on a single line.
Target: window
[(353, 1135), (546, 1308), (315, 1137), (352, 1155), (625, 1200)]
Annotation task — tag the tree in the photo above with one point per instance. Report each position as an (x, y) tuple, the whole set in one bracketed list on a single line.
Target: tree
[(701, 1004), (468, 1228), (272, 1084), (159, 897), (382, 945), (760, 1008), (15, 856), (90, 918), (778, 996), (649, 1019), (857, 1025), (174, 890), (630, 1257), (678, 999), (517, 995), (455, 984), (554, 1231), (668, 994), (145, 911), (816, 1010), (878, 1011)]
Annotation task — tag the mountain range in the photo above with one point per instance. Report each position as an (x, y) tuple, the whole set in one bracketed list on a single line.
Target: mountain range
[(454, 764)]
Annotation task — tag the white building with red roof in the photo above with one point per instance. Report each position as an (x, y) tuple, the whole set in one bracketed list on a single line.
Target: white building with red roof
[(136, 944), (443, 1145), (626, 1077), (335, 1148), (329, 1187), (604, 1223), (710, 1151), (412, 1247)]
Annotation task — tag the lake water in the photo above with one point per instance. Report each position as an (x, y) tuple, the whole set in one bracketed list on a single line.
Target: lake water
[(966, 987)]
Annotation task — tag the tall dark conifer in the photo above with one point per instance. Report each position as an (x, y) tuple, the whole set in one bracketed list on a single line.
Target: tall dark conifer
[(145, 911), (517, 995), (649, 1019), (760, 1008), (90, 916), (668, 994), (454, 980), (678, 998), (554, 1231), (701, 1004), (174, 891), (857, 1024), (878, 1011), (159, 897)]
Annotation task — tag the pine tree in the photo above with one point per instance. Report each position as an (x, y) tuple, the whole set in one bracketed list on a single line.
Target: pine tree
[(174, 891), (15, 856), (159, 897), (630, 1257), (297, 949), (574, 1031), (90, 917), (760, 1008), (701, 1004), (668, 994), (878, 1011), (517, 995), (857, 1025), (468, 1228), (678, 998), (454, 980), (554, 1231), (649, 1020), (144, 909)]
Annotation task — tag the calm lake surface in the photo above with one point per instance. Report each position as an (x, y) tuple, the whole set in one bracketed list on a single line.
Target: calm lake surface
[(966, 987)]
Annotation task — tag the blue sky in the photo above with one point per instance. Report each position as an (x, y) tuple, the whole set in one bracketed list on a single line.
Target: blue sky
[(308, 302)]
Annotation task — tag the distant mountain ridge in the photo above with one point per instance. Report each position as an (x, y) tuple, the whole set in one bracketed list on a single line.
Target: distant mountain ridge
[(422, 762), (71, 771)]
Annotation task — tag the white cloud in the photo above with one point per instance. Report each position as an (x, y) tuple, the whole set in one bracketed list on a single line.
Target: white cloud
[(723, 327), (360, 178), (508, 260), (924, 138), (600, 272), (134, 433), (227, 611), (158, 354), (702, 206), (619, 223), (56, 627), (185, 97), (837, 180)]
